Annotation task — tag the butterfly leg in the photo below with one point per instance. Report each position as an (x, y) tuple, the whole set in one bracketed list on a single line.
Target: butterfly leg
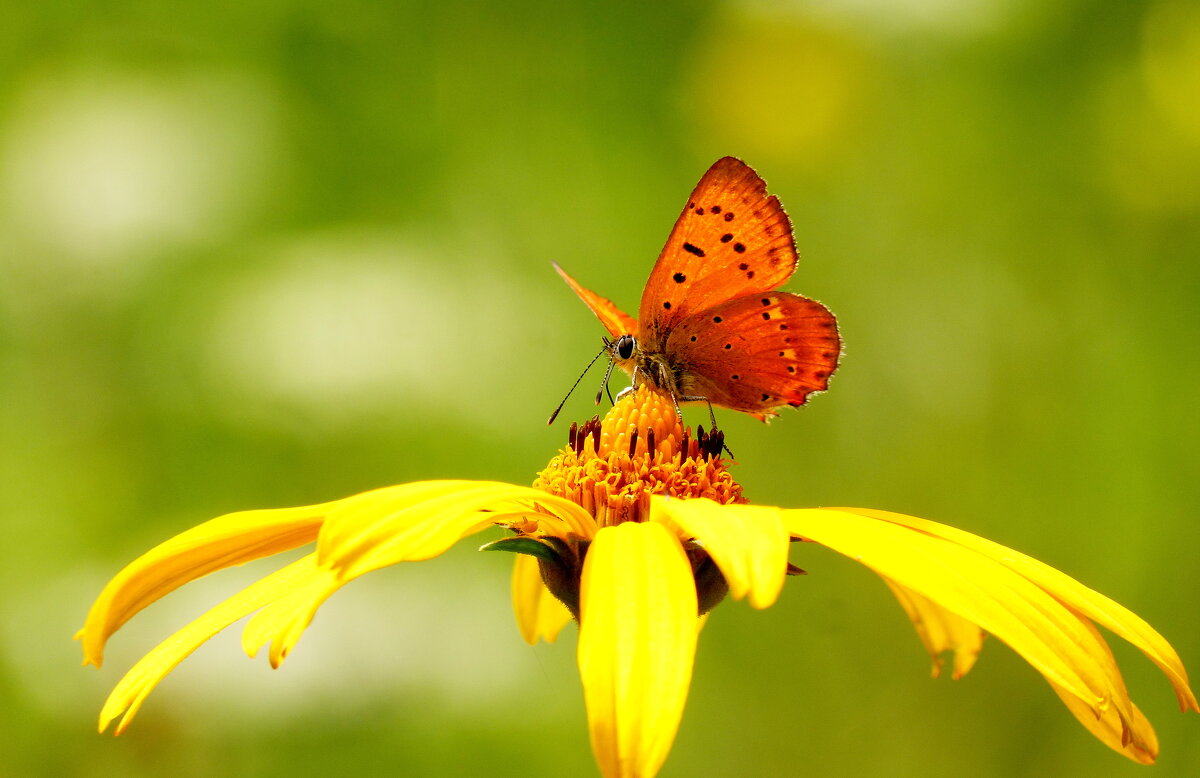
[(712, 417)]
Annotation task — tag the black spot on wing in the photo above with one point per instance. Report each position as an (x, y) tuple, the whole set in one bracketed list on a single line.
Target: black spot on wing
[(739, 247), (727, 237), (679, 278), (689, 248)]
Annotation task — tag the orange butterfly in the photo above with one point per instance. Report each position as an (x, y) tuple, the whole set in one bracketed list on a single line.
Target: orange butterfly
[(709, 326)]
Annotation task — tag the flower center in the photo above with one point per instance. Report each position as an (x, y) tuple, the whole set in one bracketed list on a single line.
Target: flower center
[(611, 467)]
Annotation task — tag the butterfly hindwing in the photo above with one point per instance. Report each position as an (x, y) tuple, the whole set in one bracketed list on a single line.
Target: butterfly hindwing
[(732, 239), (757, 352)]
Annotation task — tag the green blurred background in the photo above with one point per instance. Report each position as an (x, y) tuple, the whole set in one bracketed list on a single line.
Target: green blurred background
[(272, 253)]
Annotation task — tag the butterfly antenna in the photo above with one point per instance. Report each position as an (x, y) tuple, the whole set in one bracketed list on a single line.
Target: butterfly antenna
[(612, 361), (607, 347), (711, 416)]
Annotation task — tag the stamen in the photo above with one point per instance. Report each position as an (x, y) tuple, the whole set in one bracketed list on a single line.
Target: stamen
[(614, 476)]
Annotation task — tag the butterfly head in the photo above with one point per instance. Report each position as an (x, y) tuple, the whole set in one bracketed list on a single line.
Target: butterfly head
[(623, 348)]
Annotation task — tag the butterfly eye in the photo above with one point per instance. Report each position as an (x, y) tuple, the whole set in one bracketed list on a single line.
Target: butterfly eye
[(624, 346)]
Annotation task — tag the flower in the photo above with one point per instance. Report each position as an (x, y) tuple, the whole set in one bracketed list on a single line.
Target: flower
[(636, 530)]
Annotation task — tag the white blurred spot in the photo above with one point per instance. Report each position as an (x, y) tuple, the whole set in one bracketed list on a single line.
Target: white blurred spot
[(957, 18), (423, 632), (347, 325), (105, 167)]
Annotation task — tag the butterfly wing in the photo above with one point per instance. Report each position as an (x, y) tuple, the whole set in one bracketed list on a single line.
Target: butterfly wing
[(616, 321), (756, 353), (732, 239)]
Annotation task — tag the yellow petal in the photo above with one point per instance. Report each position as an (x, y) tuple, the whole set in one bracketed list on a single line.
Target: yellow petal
[(748, 543), (392, 525), (539, 613), (1115, 617), (232, 539), (1112, 731), (283, 621), (421, 520), (637, 643), (128, 695), (940, 630), (1130, 736), (1048, 635)]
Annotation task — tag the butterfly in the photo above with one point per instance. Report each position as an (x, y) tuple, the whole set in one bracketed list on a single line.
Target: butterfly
[(711, 325)]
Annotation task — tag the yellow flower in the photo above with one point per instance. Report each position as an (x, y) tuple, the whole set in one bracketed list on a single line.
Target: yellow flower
[(637, 530)]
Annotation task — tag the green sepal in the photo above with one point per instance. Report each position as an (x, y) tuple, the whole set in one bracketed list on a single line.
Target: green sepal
[(523, 545)]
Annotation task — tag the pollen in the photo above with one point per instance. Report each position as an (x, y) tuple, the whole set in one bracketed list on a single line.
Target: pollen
[(612, 467)]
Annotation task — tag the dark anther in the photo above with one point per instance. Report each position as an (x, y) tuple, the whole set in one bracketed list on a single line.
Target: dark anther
[(571, 436), (633, 436), (650, 441), (716, 444)]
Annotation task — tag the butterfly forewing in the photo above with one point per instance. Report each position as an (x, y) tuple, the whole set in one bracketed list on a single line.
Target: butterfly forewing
[(616, 321), (758, 352), (732, 239)]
